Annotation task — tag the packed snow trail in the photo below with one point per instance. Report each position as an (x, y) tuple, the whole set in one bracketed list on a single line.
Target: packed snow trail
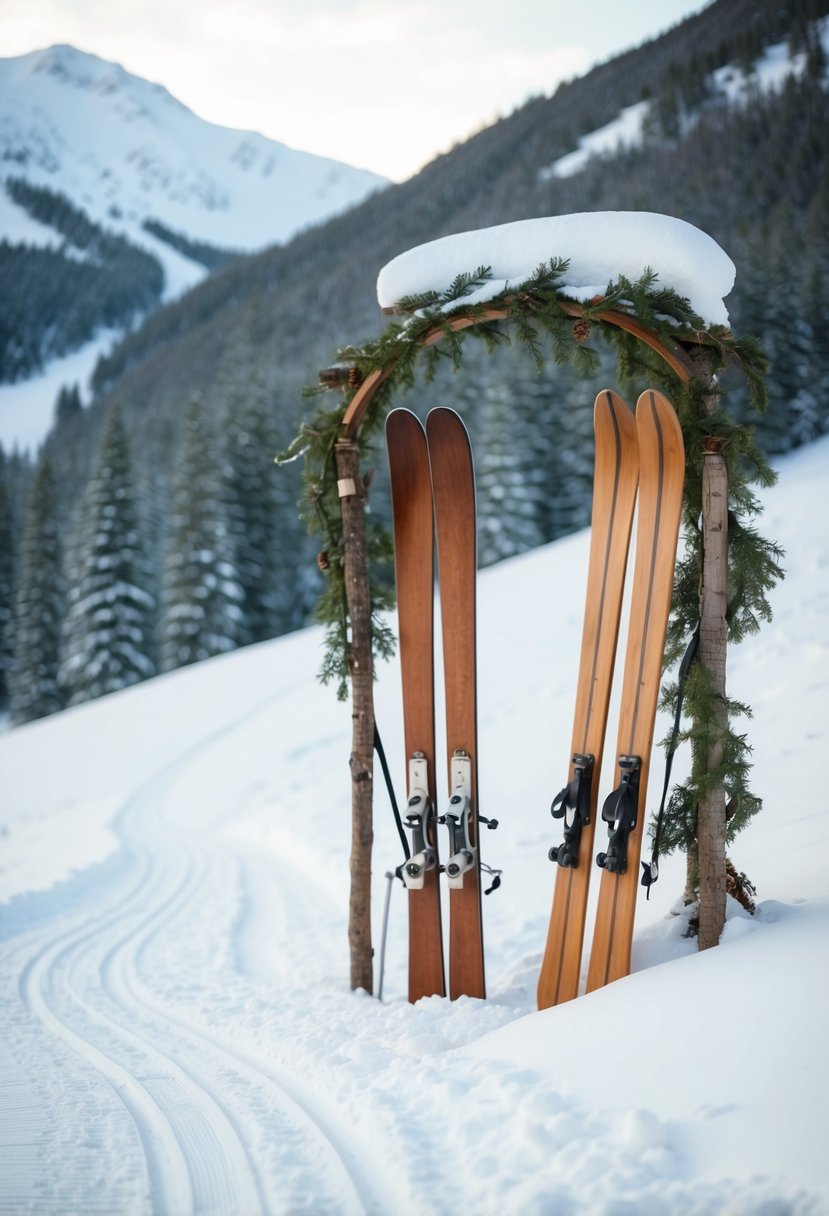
[(176, 1030), (88, 982)]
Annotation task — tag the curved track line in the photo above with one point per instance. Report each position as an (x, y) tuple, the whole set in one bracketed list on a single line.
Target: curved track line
[(192, 1164)]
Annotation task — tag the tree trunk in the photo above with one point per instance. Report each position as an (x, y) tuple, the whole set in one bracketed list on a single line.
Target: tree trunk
[(355, 560), (712, 655)]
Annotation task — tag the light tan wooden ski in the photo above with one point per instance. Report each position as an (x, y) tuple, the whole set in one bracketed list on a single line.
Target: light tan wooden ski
[(661, 481), (614, 495)]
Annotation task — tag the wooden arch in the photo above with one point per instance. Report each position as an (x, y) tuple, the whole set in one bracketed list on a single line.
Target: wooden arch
[(677, 359), (356, 576)]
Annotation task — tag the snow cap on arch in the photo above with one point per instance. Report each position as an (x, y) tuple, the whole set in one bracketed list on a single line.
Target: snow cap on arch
[(600, 246)]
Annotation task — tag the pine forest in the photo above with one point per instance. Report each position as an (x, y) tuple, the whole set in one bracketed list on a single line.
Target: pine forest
[(154, 529)]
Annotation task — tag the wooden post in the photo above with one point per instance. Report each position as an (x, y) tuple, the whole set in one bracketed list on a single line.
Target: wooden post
[(713, 599), (712, 654), (355, 560)]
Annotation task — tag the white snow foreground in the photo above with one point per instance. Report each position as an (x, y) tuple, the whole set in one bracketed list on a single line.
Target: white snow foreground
[(600, 246), (176, 1030)]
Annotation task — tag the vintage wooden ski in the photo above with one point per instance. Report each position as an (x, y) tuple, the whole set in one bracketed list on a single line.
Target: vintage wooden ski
[(413, 528), (453, 486), (614, 495), (661, 482)]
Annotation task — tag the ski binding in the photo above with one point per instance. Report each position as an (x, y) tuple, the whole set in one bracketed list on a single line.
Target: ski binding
[(419, 816), (620, 811), (457, 819), (575, 799)]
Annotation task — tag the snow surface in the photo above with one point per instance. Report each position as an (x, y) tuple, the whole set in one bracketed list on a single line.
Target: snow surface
[(600, 246), (625, 131), (768, 74), (126, 151), (27, 409), (176, 1030)]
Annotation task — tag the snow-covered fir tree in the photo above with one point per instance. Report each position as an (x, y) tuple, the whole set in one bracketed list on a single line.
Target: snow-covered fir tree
[(560, 407), (509, 497), (201, 596), (39, 607), (107, 633), (248, 484)]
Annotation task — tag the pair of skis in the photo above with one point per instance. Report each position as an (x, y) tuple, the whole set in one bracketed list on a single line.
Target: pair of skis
[(433, 497), (642, 460)]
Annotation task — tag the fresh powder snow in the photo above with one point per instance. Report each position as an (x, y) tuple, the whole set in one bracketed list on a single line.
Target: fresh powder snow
[(176, 1029), (599, 245), (767, 74)]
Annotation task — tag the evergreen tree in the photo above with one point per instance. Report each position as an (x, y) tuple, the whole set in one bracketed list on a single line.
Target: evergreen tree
[(39, 608), (68, 404), (201, 597), (106, 644), (7, 571), (249, 484), (509, 492), (561, 438)]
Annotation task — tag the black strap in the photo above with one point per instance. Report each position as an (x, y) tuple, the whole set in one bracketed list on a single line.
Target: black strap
[(495, 875), (378, 747), (650, 870)]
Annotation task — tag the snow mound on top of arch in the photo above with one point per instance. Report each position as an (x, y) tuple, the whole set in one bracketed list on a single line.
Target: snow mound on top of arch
[(600, 246)]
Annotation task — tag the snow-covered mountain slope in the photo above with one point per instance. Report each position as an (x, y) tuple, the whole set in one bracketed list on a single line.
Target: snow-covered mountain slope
[(127, 154), (176, 1030), (739, 84), (125, 151)]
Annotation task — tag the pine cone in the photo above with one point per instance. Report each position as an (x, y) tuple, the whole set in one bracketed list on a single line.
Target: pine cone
[(323, 561), (355, 378), (581, 330)]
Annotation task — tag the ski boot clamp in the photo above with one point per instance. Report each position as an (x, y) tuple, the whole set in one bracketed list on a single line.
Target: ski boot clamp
[(620, 812), (457, 818), (419, 815), (575, 799)]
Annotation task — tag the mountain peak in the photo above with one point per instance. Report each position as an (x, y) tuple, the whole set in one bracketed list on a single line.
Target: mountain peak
[(125, 149)]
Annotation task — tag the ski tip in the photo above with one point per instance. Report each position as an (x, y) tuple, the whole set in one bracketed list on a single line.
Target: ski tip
[(608, 399), (611, 413), (400, 418), (444, 418), (653, 407)]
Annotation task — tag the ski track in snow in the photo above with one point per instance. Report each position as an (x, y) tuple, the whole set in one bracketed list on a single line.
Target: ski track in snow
[(90, 988), (176, 1032)]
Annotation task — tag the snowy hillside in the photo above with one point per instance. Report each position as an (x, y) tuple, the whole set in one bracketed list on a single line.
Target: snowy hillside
[(177, 1033), (137, 163), (125, 151), (740, 84)]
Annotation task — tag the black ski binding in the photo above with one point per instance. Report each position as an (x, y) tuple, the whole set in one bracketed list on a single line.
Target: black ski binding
[(462, 853), (420, 813), (620, 811), (574, 798)]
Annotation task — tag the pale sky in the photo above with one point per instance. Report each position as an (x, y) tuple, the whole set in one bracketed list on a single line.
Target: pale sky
[(382, 84)]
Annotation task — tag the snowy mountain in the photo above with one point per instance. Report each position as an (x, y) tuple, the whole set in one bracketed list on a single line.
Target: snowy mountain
[(126, 152), (114, 198), (176, 1027)]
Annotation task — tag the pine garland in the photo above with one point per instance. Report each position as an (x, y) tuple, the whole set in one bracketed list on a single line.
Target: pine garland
[(536, 318)]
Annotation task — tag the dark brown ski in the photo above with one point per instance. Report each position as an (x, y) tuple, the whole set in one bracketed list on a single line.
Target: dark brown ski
[(413, 526), (453, 487)]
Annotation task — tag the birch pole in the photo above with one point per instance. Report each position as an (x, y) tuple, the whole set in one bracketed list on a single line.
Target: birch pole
[(711, 814), (355, 568), (713, 639)]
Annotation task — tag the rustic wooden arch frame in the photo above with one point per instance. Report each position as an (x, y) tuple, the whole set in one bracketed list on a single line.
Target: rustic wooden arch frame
[(685, 365), (677, 359)]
